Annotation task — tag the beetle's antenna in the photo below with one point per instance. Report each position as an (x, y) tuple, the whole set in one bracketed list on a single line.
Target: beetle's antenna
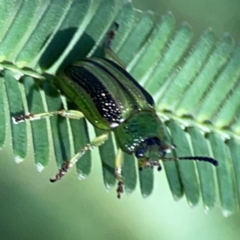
[(196, 158)]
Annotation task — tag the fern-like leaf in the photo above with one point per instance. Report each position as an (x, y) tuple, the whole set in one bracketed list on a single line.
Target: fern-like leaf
[(195, 86)]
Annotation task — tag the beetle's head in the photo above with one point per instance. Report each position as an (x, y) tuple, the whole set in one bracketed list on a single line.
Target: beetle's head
[(143, 134), (152, 150)]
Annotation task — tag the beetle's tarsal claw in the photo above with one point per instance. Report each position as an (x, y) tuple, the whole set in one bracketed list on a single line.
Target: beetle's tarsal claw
[(119, 189), (22, 118), (116, 25), (61, 172)]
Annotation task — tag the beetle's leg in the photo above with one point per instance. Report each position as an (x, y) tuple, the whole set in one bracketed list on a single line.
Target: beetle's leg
[(111, 35), (118, 172), (73, 114), (96, 142), (108, 50)]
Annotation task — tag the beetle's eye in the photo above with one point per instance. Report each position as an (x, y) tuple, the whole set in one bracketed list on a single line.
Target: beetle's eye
[(140, 153)]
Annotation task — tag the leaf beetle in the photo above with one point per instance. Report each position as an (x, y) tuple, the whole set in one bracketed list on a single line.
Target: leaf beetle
[(112, 100)]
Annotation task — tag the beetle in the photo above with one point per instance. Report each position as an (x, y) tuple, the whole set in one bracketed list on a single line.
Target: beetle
[(112, 100)]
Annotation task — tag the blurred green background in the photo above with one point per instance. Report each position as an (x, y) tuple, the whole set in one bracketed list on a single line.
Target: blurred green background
[(220, 15), (32, 208)]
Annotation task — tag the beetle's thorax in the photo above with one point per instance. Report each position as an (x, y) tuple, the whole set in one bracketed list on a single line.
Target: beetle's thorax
[(137, 128)]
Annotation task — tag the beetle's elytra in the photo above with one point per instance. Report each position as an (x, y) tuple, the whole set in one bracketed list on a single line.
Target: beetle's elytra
[(112, 100)]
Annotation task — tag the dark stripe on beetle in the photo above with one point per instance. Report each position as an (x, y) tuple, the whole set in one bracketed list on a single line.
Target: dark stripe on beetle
[(132, 100), (148, 97), (97, 92)]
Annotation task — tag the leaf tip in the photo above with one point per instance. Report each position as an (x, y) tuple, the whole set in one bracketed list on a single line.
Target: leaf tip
[(81, 176), (227, 212), (18, 159), (39, 167)]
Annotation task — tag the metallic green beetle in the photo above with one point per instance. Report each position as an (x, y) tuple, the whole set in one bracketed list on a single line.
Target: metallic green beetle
[(112, 100)]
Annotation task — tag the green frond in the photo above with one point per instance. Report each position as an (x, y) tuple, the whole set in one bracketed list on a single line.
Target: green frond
[(195, 85)]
